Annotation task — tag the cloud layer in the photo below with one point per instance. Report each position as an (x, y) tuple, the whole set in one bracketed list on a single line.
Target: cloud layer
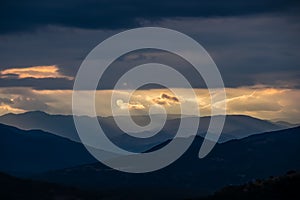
[(255, 45), (116, 14), (247, 50)]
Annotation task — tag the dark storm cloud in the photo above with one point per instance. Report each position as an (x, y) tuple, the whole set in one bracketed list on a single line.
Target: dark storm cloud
[(38, 83), (166, 99), (114, 14), (260, 49)]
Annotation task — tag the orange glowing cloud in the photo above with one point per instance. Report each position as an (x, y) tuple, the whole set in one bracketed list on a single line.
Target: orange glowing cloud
[(4, 109), (49, 71), (166, 99)]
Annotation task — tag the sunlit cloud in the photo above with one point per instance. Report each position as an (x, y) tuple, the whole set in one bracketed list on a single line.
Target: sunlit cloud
[(130, 105), (6, 101), (48, 71)]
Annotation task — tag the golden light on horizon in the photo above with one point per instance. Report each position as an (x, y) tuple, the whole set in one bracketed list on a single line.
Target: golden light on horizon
[(264, 103)]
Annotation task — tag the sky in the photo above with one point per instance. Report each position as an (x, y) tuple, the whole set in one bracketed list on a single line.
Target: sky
[(255, 45)]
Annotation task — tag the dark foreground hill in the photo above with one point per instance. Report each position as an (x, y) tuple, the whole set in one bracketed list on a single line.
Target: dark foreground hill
[(15, 188), (273, 188), (27, 152)]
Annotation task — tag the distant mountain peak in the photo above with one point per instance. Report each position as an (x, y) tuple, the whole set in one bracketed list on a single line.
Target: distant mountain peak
[(37, 112)]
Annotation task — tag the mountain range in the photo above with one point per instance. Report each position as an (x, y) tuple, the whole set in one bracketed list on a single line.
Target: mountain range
[(230, 163), (236, 127), (243, 155)]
